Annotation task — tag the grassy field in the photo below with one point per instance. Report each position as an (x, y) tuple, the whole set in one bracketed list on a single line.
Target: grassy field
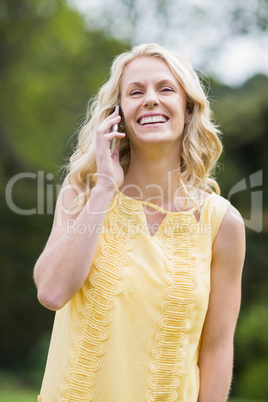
[(247, 400), (17, 396), (30, 396)]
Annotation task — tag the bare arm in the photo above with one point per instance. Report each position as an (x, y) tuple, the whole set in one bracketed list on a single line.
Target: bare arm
[(216, 354), (64, 265)]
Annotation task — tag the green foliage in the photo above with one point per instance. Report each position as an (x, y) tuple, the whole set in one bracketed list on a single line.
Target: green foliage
[(60, 66), (252, 352), (13, 390), (253, 381), (17, 396), (37, 359), (251, 335), (242, 115), (246, 400)]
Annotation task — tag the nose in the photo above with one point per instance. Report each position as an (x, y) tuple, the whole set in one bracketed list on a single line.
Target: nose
[(151, 99)]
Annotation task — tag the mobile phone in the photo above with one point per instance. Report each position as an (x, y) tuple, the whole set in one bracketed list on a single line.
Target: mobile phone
[(114, 128)]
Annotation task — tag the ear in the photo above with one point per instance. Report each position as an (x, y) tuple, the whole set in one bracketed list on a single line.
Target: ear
[(187, 116), (122, 126)]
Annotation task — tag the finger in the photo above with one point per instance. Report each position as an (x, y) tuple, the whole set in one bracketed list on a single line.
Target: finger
[(108, 123), (105, 129), (113, 134), (115, 153)]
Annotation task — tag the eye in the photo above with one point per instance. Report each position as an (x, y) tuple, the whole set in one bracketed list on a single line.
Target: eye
[(166, 89), (136, 92)]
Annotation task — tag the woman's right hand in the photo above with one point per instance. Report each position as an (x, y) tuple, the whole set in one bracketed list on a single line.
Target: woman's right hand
[(110, 174)]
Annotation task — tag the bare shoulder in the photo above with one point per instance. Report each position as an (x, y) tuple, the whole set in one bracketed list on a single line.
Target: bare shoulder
[(232, 224), (229, 245), (67, 195)]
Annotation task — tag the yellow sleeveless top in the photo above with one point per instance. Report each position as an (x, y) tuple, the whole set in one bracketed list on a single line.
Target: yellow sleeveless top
[(132, 333)]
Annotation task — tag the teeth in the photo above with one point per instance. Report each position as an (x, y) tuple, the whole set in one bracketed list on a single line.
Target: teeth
[(152, 119)]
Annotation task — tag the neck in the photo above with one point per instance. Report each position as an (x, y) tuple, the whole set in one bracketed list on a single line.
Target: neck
[(153, 174)]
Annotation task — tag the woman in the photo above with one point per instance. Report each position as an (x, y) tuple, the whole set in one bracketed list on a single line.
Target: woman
[(144, 259)]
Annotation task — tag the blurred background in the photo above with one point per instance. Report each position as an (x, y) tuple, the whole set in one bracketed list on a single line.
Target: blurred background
[(54, 55)]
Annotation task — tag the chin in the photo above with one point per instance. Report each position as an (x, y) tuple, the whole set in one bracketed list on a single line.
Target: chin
[(158, 137)]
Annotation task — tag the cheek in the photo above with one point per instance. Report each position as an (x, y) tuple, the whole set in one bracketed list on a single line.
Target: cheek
[(129, 115), (124, 111), (129, 130)]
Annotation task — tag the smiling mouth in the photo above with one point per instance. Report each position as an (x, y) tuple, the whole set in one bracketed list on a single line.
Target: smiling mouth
[(152, 120)]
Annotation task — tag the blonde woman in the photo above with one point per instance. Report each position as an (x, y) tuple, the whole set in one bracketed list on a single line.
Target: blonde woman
[(144, 260)]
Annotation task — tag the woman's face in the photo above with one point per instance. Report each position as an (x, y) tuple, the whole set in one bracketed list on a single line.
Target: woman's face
[(153, 102)]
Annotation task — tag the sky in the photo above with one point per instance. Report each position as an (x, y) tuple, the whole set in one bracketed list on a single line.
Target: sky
[(208, 43), (242, 59)]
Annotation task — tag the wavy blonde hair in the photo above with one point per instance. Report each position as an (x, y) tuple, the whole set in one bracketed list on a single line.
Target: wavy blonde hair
[(201, 146)]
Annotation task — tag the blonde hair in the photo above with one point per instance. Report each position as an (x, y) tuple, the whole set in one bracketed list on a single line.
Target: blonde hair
[(201, 146)]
